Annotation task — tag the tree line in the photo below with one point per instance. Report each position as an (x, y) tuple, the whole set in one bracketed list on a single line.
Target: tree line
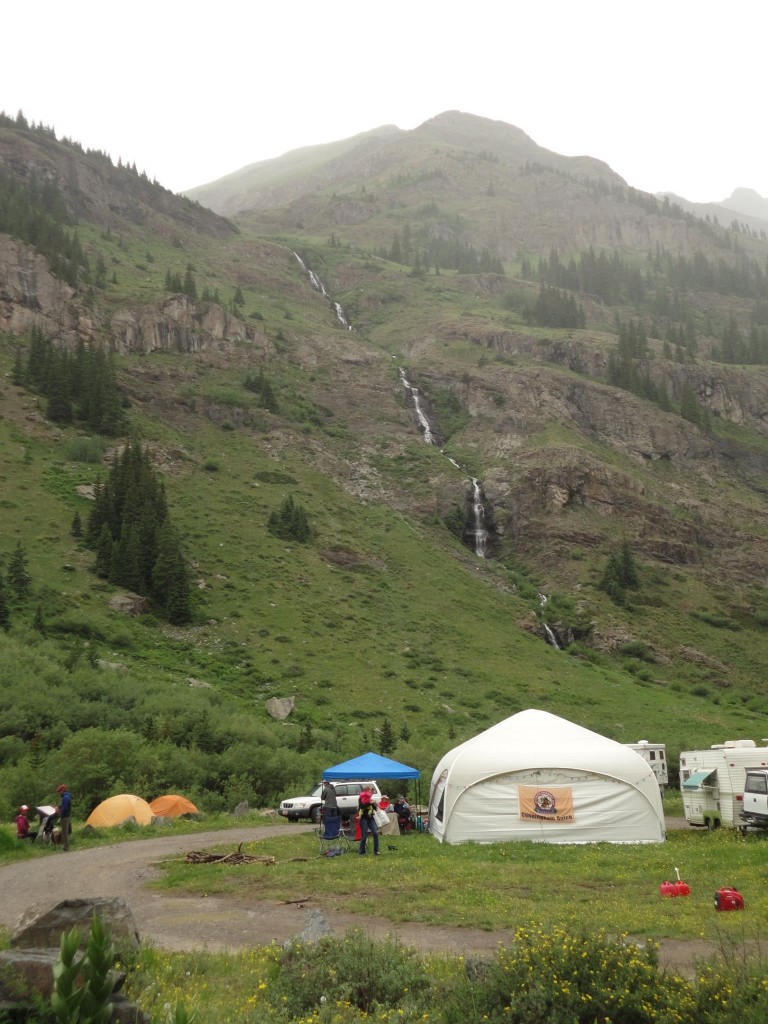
[(134, 540), (423, 250), (35, 213), (79, 386)]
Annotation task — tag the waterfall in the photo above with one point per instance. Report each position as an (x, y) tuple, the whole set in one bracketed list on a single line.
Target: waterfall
[(551, 638), (429, 437), (481, 534), (318, 285), (340, 316)]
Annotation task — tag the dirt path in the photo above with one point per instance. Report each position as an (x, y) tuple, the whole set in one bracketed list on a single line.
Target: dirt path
[(219, 923)]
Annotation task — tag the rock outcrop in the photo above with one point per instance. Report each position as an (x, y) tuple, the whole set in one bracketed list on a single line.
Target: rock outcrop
[(27, 968)]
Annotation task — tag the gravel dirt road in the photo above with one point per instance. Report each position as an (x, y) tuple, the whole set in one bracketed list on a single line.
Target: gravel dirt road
[(219, 923)]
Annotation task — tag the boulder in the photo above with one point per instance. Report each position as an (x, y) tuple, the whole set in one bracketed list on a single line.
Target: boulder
[(42, 929), (27, 972), (130, 604), (242, 809), (280, 707)]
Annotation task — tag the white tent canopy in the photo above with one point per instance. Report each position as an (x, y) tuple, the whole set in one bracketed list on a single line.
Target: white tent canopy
[(537, 777)]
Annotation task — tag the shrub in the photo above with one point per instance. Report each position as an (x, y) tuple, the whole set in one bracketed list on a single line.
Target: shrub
[(356, 970), (557, 978), (85, 449)]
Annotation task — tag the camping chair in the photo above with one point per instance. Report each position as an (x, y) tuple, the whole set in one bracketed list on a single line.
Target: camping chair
[(47, 816), (332, 837)]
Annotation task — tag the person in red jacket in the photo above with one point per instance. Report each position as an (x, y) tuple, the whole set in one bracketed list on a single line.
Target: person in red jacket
[(365, 808), (22, 825)]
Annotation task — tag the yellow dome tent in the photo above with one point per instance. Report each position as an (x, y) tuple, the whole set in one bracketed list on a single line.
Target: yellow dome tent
[(117, 809), (172, 806)]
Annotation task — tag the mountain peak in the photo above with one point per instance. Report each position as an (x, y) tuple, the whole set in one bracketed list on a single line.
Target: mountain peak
[(748, 202)]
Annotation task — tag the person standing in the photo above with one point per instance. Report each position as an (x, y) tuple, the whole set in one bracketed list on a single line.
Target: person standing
[(330, 800), (65, 814), (365, 811)]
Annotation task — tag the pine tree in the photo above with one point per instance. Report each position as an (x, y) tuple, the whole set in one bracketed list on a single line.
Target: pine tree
[(306, 740), (5, 615), (17, 577), (17, 378), (104, 552), (38, 622), (178, 607), (628, 574), (76, 529), (189, 287), (386, 737)]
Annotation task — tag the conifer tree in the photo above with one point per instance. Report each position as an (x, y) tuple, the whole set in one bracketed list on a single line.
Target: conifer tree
[(386, 737), (17, 577), (76, 529), (306, 739), (104, 552), (178, 607), (5, 615), (17, 377), (38, 623)]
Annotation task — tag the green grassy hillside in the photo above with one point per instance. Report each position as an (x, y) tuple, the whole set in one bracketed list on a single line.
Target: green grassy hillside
[(384, 626)]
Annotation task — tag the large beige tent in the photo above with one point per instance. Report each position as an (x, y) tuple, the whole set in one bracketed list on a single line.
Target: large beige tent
[(117, 809), (172, 806), (538, 777)]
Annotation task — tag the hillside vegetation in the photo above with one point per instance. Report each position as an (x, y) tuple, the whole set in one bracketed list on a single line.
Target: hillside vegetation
[(639, 427)]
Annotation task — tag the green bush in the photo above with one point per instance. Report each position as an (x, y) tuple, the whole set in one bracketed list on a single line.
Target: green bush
[(356, 970), (552, 977), (86, 449)]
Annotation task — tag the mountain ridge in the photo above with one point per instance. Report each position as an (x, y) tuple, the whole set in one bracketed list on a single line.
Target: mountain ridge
[(635, 423)]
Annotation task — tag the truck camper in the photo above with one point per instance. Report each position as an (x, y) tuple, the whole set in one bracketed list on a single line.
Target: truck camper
[(656, 756), (712, 782)]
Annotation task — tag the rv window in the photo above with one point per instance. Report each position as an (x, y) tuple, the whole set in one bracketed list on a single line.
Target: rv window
[(756, 784), (653, 755)]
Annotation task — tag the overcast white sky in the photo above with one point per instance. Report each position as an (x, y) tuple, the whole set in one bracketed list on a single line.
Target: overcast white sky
[(670, 93)]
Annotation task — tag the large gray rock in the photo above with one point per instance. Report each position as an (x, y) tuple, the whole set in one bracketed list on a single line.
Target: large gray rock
[(27, 972), (42, 929), (280, 707), (317, 927)]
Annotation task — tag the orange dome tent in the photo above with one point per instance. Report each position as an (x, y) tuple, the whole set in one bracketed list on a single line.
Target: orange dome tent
[(117, 808), (172, 806)]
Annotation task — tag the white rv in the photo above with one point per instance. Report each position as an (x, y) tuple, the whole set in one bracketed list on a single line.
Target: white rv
[(656, 756), (712, 781)]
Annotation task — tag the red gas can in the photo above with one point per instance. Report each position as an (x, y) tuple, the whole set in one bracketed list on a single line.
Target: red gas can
[(728, 899), (678, 888)]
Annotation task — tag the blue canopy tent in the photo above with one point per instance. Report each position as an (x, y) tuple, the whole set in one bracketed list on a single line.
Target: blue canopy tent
[(373, 766)]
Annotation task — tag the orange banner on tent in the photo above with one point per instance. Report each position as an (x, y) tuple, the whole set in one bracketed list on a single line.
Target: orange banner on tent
[(554, 803)]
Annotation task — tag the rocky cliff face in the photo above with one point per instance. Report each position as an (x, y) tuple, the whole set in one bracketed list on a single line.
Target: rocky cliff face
[(176, 323), (30, 296)]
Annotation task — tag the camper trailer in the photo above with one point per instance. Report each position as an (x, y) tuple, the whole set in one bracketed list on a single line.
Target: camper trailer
[(712, 781), (656, 756)]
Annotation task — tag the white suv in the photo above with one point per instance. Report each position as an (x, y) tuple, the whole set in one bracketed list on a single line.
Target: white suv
[(308, 806)]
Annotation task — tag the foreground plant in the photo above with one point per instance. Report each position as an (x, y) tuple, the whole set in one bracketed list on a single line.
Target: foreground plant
[(83, 986)]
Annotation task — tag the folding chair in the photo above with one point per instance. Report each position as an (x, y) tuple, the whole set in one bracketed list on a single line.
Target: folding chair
[(332, 837)]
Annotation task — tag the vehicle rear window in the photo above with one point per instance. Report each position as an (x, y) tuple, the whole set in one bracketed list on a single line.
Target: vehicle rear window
[(756, 784)]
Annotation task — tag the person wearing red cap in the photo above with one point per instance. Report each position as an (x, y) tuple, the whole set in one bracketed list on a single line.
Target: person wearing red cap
[(65, 815), (22, 825)]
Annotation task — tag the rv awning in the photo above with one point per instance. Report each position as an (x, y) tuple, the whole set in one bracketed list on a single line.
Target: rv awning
[(697, 780)]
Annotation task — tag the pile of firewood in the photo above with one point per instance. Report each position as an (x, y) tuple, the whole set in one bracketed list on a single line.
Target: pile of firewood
[(236, 857)]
